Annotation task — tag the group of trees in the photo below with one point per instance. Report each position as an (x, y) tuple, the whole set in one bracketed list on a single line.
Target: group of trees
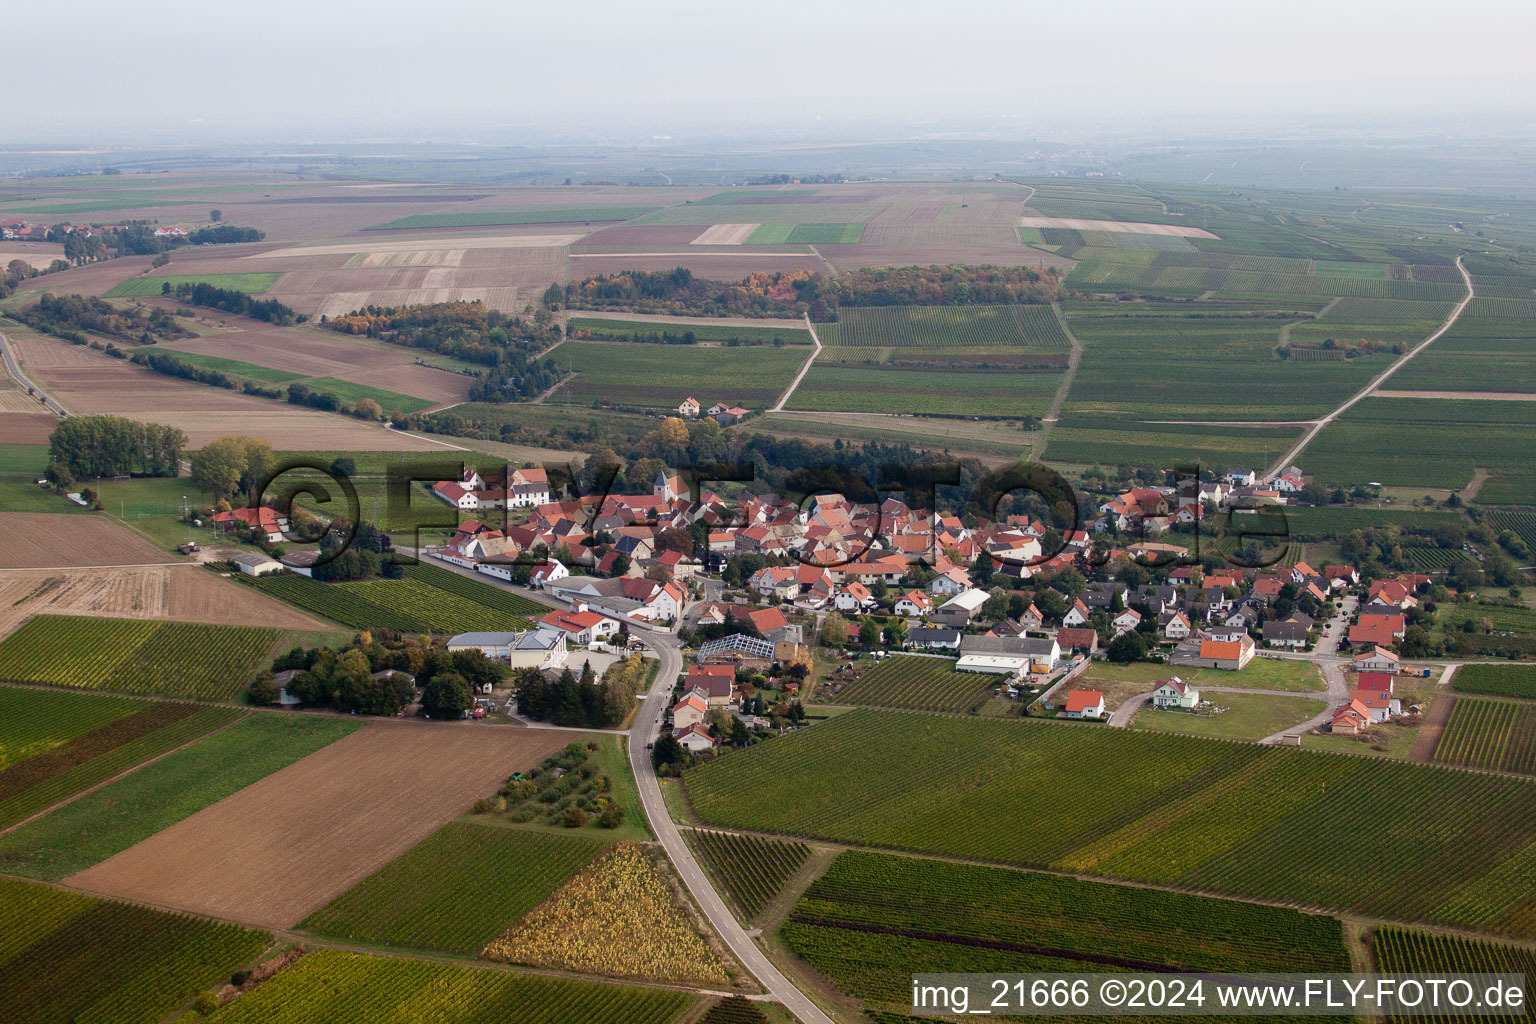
[(585, 701), (200, 293), (231, 465), (794, 292), (170, 365), (82, 447), (68, 316), (381, 677), (138, 238)]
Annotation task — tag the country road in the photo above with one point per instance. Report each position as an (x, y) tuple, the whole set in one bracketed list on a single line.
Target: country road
[(804, 369), (1291, 456), (14, 369), (645, 729)]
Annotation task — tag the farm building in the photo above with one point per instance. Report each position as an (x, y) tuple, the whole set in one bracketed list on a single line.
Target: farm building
[(1085, 704), (535, 648), (1007, 655), (1175, 693), (1080, 639), (254, 563), (1204, 652), (959, 610), (738, 649)]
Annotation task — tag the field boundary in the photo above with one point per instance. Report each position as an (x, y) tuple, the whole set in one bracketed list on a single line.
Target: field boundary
[(1376, 382), (120, 775), (804, 367)]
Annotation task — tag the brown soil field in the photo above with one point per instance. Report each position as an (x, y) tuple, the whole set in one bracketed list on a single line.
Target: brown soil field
[(725, 234), (326, 821), (185, 593), (686, 321), (24, 427), (715, 266), (503, 278), (38, 254), (1488, 396), (380, 245), (638, 237), (43, 540), (1127, 227)]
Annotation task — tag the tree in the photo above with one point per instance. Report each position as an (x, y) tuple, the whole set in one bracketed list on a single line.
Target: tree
[(229, 464), (869, 633), (674, 433), (263, 691), (215, 215), (368, 409), (834, 630), (1127, 647), (981, 570), (446, 696), (668, 751)]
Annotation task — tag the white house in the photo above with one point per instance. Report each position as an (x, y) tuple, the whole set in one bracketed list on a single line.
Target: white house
[(1175, 693), (688, 407), (1242, 477), (1126, 621), (1376, 660), (695, 739), (853, 597), (456, 495), (1077, 615), (547, 572), (1085, 704), (581, 625), (950, 582), (1177, 627), (914, 604)]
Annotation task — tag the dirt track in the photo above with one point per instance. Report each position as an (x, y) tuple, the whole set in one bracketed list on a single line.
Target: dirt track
[(325, 822), (1428, 739)]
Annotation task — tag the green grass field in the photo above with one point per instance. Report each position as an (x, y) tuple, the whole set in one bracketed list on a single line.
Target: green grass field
[(1118, 440), (351, 393), (661, 376), (23, 460), (333, 987), (456, 890), (250, 284), (1230, 818), (69, 957), (157, 796), (1247, 716), (807, 234), (1290, 674), (702, 330), (176, 659), (428, 600), (237, 368), (874, 919), (531, 215), (917, 684)]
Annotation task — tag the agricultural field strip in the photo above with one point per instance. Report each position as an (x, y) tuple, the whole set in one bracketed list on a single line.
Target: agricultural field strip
[(418, 244), (1192, 815), (1290, 456)]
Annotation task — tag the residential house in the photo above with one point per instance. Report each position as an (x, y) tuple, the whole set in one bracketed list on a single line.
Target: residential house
[(1202, 651), (691, 710), (1126, 621), (853, 597), (695, 739), (1377, 659), (1380, 681), (1350, 719), (1071, 639), (456, 496), (934, 638), (914, 604), (580, 625), (1077, 615), (263, 520), (1379, 705), (689, 407), (1175, 625), (1289, 634), (715, 682), (1175, 693), (951, 581), (1085, 704)]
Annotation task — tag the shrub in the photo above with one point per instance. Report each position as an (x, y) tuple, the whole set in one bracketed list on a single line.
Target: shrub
[(574, 818)]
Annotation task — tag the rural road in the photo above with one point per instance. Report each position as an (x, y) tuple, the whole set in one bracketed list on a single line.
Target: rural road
[(14, 370), (1289, 457), (806, 368), (645, 729)]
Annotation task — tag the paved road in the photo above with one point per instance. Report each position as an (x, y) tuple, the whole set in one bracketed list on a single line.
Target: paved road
[(804, 369), (14, 369), (645, 729), (1306, 439)]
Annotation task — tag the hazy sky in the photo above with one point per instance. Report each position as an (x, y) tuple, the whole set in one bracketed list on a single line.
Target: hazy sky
[(276, 63)]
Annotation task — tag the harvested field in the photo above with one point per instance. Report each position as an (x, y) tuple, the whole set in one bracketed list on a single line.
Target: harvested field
[(329, 821), (413, 258), (725, 234), (38, 540), (1127, 227), (187, 593), (638, 237), (1474, 396), (24, 427), (433, 243), (717, 266), (38, 254)]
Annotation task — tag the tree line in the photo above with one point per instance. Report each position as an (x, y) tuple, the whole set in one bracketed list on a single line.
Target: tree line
[(585, 701), (200, 293), (69, 316), (104, 446)]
